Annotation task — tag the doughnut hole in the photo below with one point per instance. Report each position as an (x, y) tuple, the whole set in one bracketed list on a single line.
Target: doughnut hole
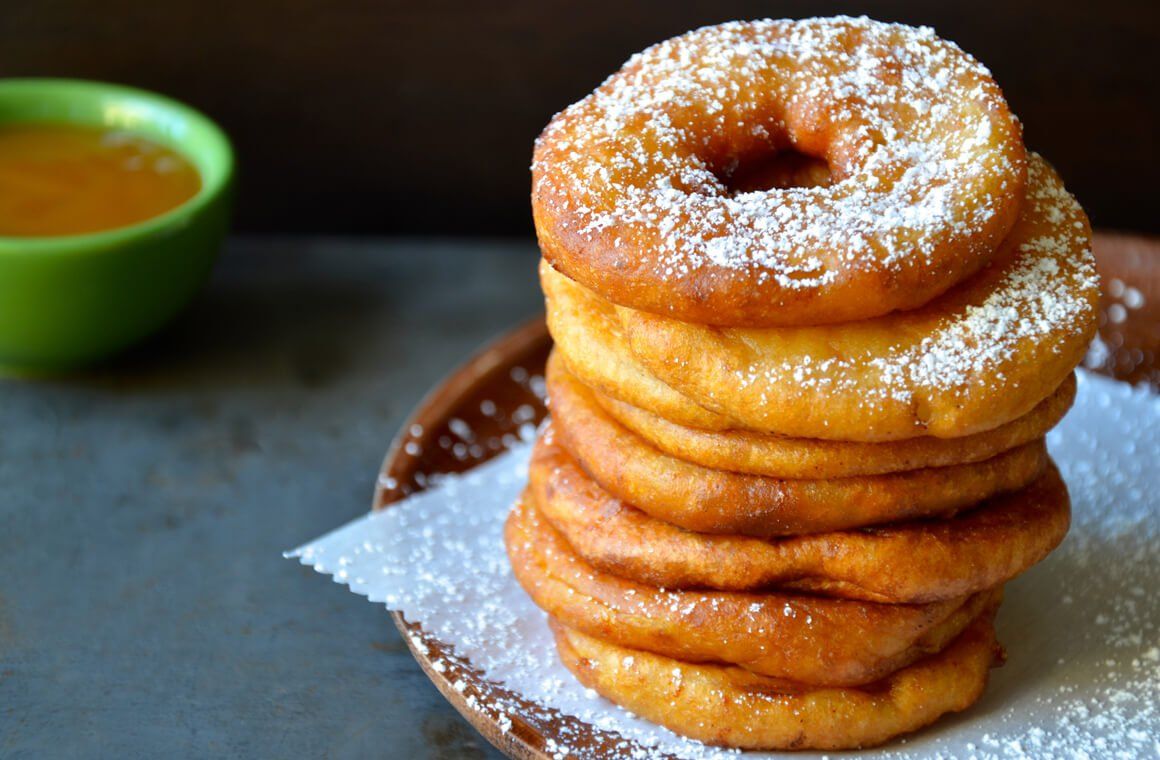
[(777, 169)]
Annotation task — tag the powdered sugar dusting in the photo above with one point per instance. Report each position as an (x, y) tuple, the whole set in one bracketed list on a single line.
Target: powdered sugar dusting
[(1082, 629), (1048, 293), (920, 139), (1044, 300)]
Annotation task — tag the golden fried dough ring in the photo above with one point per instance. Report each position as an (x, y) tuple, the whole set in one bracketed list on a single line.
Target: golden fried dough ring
[(781, 457), (732, 707), (588, 335), (981, 355), (630, 192), (716, 501), (902, 563), (799, 638)]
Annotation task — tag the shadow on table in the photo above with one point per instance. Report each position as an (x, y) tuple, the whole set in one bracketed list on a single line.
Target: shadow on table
[(255, 334), (302, 313)]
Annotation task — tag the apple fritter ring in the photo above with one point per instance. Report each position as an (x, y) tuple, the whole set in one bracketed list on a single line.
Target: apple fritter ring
[(631, 185), (981, 355), (716, 501), (782, 457), (732, 707), (589, 338), (912, 562), (801, 639)]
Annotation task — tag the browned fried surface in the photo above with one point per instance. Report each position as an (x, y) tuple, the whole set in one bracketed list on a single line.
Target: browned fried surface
[(783, 457), (907, 562), (732, 707), (716, 501), (589, 337), (799, 638)]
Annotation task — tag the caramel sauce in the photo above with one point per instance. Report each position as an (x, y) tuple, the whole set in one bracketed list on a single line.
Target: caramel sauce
[(58, 179)]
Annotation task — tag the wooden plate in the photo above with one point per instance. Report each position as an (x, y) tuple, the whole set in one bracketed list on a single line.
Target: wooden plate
[(506, 374), (499, 391), (1130, 320)]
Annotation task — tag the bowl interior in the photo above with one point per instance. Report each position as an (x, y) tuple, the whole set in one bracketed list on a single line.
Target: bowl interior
[(97, 104)]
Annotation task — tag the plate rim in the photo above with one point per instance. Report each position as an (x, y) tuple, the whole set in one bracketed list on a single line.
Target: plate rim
[(433, 408)]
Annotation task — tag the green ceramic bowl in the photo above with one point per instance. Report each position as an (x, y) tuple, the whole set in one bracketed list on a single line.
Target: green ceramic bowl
[(67, 301)]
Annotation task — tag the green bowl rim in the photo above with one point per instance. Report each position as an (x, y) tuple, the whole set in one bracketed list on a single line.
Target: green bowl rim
[(210, 190)]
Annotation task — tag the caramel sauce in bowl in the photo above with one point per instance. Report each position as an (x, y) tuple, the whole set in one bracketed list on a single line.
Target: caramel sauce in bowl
[(113, 204), (66, 179)]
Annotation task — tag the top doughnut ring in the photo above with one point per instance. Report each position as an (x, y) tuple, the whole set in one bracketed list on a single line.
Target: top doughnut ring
[(927, 168)]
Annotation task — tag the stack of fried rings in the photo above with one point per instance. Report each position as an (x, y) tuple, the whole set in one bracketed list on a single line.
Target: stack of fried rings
[(794, 455)]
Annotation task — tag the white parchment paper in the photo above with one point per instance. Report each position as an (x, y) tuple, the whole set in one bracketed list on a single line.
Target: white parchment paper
[(1082, 629)]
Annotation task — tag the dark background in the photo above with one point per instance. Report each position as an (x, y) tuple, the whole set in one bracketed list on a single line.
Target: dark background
[(385, 117)]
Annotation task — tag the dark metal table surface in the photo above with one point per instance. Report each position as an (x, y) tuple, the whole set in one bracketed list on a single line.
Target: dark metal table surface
[(145, 609)]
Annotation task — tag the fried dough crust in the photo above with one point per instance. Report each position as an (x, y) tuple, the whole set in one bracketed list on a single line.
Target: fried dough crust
[(716, 501), (732, 707), (781, 457), (795, 637), (912, 562)]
